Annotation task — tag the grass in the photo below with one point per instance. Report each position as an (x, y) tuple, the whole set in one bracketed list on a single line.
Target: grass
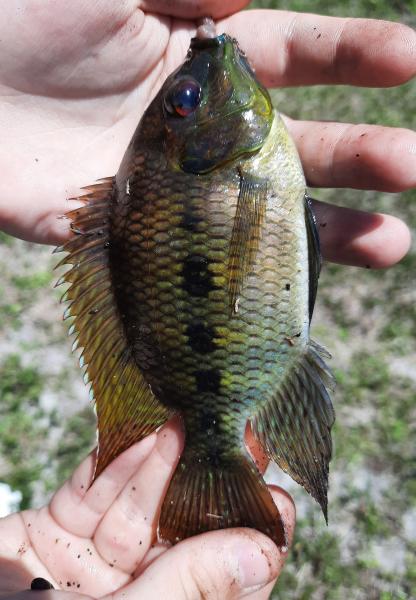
[(21, 428), (41, 435)]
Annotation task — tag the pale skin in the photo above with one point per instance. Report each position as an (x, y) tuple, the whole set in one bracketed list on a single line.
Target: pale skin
[(74, 80)]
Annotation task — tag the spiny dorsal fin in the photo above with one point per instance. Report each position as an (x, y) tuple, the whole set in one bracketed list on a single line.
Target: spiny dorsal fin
[(127, 410), (202, 497), (294, 428), (245, 238)]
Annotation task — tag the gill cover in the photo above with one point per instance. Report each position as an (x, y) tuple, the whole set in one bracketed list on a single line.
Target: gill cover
[(214, 109)]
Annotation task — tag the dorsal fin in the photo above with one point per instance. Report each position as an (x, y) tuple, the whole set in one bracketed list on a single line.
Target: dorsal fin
[(127, 410)]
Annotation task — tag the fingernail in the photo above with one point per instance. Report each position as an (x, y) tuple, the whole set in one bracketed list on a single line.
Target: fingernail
[(255, 565), (41, 584)]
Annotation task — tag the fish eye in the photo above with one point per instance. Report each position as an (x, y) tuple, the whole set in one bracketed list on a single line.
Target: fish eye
[(183, 98)]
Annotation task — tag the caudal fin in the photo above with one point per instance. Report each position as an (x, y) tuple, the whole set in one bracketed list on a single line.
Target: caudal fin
[(202, 498)]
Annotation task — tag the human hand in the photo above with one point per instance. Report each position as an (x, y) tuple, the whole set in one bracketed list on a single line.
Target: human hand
[(99, 542), (75, 79)]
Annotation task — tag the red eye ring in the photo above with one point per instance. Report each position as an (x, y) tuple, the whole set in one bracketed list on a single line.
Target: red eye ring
[(184, 98)]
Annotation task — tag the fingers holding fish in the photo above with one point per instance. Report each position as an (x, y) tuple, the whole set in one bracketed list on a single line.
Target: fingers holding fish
[(360, 157), (91, 503), (192, 9), (368, 157), (226, 564), (361, 239), (288, 48), (136, 510), (287, 509)]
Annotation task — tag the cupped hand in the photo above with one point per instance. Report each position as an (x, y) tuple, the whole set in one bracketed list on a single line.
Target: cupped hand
[(76, 77), (100, 542)]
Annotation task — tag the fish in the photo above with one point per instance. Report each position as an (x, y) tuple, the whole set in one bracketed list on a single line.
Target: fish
[(192, 282)]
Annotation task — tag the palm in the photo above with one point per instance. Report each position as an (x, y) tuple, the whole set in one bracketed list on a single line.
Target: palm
[(100, 550), (70, 124)]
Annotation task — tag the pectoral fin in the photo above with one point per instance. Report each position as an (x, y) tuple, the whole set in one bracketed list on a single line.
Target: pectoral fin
[(246, 234), (127, 410)]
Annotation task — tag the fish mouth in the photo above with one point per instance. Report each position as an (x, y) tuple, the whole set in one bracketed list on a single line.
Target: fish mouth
[(198, 43)]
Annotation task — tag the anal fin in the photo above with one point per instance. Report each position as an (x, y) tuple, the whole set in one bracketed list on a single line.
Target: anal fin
[(294, 428), (127, 410)]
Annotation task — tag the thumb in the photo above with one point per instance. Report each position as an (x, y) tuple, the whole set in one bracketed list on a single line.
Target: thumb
[(227, 564)]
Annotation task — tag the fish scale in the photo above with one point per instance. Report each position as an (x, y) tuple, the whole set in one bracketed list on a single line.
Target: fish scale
[(192, 285)]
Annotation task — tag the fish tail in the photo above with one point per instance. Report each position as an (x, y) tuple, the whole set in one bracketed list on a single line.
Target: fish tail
[(202, 497)]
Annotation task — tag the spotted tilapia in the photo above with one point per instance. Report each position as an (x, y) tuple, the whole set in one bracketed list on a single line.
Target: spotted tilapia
[(193, 280)]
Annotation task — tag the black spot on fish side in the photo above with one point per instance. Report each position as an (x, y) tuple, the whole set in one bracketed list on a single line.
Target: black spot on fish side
[(201, 338), (208, 380), (190, 220), (197, 279)]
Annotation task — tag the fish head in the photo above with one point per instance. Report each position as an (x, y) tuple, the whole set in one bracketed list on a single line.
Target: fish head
[(214, 108)]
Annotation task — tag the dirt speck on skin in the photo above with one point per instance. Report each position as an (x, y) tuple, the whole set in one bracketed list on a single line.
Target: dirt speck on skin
[(22, 549)]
